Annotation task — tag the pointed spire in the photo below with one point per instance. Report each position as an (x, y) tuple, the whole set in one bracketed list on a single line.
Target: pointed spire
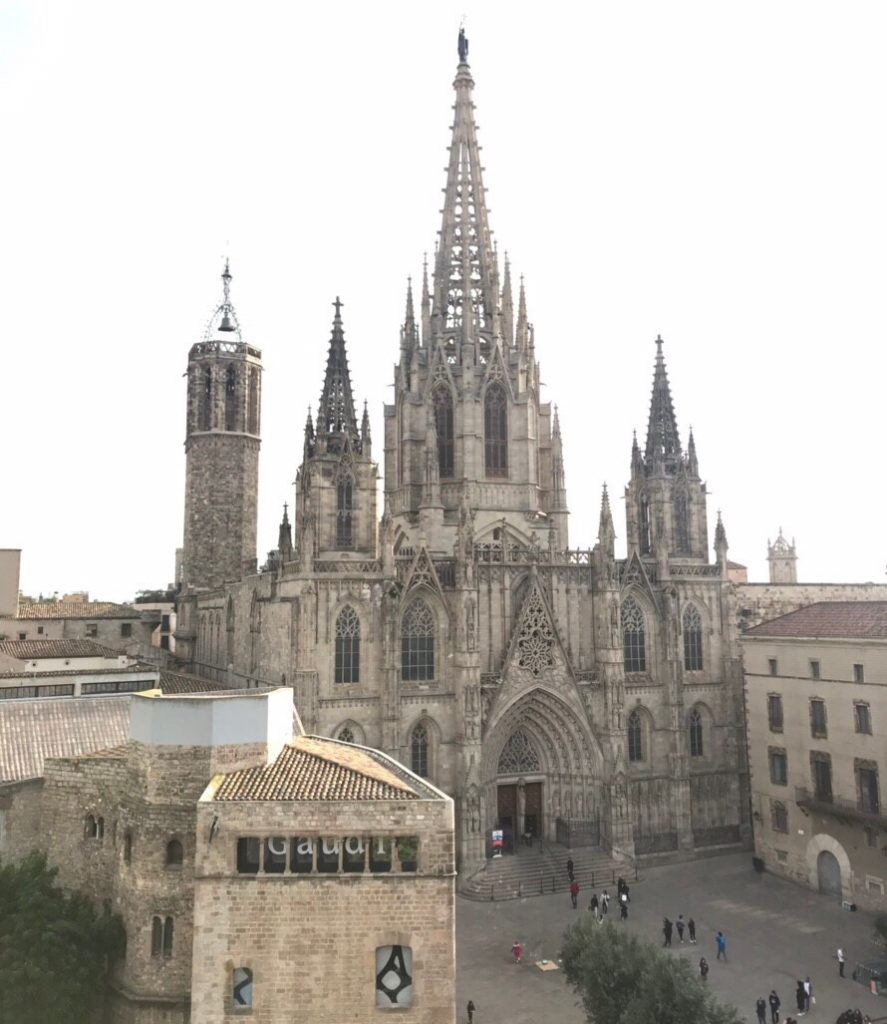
[(507, 305), (410, 318), (409, 336), (637, 463), (365, 426), (606, 532), (721, 542), (663, 442), (692, 461), (336, 420), (285, 537), (308, 448), (426, 303), (522, 331), (558, 484), (464, 275)]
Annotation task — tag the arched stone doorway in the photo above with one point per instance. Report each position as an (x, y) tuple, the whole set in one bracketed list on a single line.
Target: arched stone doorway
[(540, 762), (828, 872)]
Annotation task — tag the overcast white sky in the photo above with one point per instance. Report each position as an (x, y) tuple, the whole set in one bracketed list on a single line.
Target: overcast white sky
[(711, 171)]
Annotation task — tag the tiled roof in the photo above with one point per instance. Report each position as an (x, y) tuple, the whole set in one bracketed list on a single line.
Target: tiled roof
[(31, 731), (76, 610), (311, 768), (29, 650), (858, 620), (185, 682)]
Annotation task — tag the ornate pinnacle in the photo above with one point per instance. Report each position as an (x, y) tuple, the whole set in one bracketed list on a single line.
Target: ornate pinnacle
[(663, 441)]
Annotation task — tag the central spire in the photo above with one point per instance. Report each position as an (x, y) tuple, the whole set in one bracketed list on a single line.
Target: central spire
[(663, 442), (335, 413), (465, 298)]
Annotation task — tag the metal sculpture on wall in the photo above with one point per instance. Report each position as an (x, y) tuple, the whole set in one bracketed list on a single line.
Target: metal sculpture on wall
[(394, 982)]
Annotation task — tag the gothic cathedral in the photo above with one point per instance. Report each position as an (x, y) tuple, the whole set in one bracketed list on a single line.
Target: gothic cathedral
[(548, 689)]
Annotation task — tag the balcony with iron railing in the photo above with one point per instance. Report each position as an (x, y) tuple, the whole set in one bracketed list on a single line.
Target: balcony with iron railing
[(840, 807)]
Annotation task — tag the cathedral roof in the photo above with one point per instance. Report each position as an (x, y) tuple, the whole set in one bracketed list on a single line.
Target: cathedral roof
[(829, 619), (313, 768)]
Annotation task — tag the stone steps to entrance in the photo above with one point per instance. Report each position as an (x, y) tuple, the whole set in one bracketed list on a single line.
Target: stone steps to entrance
[(531, 872)]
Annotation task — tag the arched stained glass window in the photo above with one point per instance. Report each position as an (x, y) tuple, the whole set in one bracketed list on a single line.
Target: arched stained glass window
[(419, 751), (692, 628), (635, 737), (344, 514), (347, 646), (346, 735), (443, 422), (681, 524), (634, 642), (417, 643), (496, 431), (696, 729)]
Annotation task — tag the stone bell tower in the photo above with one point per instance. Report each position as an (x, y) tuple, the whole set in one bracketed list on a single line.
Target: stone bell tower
[(222, 452)]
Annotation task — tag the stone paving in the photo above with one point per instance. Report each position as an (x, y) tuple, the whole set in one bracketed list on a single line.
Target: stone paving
[(776, 933)]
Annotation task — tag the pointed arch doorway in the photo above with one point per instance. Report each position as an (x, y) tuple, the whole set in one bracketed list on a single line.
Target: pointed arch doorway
[(519, 790)]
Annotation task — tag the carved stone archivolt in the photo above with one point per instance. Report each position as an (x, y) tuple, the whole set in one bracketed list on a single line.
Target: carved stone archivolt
[(518, 756)]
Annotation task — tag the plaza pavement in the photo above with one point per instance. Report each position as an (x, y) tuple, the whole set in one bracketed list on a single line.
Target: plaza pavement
[(776, 933)]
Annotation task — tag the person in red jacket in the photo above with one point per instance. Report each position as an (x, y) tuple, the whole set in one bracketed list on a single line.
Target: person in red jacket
[(574, 893)]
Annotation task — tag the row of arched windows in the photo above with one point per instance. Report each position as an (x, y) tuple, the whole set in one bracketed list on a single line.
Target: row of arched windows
[(417, 634), (634, 637), (638, 732), (206, 398), (495, 430)]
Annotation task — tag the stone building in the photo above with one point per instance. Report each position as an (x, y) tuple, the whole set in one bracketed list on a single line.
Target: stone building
[(235, 850), (460, 633), (816, 690)]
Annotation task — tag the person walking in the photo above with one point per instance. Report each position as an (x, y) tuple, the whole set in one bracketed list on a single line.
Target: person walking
[(666, 931), (703, 968), (691, 930), (471, 1009), (605, 903), (808, 994), (679, 924), (841, 958), (593, 905), (623, 907), (721, 943), (774, 1006), (570, 868), (800, 998), (517, 951), (761, 1010), (574, 893)]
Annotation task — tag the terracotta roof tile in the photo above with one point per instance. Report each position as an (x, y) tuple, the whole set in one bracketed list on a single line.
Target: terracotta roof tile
[(311, 768), (859, 620), (76, 610), (29, 650), (31, 731)]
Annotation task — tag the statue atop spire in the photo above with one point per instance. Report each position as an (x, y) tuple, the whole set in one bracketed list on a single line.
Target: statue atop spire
[(463, 46)]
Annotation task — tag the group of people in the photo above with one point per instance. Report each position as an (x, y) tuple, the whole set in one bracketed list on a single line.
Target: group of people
[(680, 926), (803, 997), (600, 906)]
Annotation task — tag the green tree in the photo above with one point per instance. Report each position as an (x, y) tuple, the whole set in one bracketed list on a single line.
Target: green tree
[(626, 980), (55, 950)]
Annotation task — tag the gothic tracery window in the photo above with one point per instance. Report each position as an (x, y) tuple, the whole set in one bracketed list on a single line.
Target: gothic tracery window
[(443, 422), (635, 737), (681, 524), (644, 525), (535, 644), (692, 628), (634, 645), (346, 734), (417, 643), (496, 431), (347, 646), (518, 755), (697, 748), (419, 751), (344, 514)]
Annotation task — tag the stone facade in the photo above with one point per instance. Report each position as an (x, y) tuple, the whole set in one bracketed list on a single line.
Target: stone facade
[(461, 634), (816, 703)]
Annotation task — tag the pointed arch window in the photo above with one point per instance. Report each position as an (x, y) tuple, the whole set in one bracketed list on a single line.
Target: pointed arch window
[(345, 514), (417, 643), (347, 647), (496, 431), (681, 524), (419, 751), (346, 735), (518, 756), (634, 636), (443, 422), (206, 400), (635, 737), (230, 398), (644, 525), (692, 628), (697, 748), (253, 419)]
